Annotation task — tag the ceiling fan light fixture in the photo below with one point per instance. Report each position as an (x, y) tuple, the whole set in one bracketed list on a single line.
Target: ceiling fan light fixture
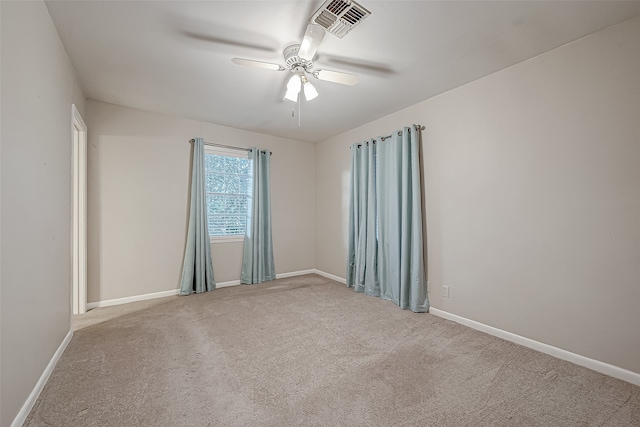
[(310, 91), (293, 88), (294, 83), (291, 96)]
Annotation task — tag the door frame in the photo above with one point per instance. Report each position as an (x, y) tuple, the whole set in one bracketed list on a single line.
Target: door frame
[(79, 223)]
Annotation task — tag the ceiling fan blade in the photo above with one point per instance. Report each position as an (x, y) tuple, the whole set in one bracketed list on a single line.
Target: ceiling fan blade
[(363, 66), (257, 64), (311, 41), (229, 42), (336, 77)]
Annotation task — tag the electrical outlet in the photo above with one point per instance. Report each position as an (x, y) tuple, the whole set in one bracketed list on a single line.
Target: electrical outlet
[(428, 286), (445, 292)]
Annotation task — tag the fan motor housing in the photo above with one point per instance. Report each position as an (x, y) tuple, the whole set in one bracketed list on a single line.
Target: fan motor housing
[(293, 61)]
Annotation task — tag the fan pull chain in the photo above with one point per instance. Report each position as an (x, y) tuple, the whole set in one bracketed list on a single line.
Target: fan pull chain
[(293, 109)]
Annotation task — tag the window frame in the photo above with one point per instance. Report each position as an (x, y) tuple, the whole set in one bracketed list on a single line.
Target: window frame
[(221, 151)]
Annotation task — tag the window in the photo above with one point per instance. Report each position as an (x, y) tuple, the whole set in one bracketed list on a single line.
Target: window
[(228, 187)]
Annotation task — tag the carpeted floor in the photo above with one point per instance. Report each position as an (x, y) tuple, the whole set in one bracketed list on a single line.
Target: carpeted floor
[(306, 351)]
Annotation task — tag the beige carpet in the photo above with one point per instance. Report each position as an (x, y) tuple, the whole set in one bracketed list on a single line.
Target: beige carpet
[(306, 351)]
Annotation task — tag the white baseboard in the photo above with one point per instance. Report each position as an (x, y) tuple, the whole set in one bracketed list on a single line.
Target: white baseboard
[(331, 276), (278, 276), (294, 273), (227, 284), (33, 397), (595, 365), (117, 301)]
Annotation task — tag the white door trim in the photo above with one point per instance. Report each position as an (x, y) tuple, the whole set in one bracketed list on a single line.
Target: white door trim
[(79, 230)]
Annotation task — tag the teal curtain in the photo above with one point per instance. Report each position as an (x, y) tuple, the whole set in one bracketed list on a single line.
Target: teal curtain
[(197, 270), (257, 259), (385, 250), (362, 272), (399, 208)]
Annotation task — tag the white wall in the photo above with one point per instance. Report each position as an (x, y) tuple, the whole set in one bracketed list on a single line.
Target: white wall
[(532, 181), (139, 171), (38, 88)]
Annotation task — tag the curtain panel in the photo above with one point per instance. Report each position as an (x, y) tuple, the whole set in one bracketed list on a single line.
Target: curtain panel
[(362, 271), (197, 270), (385, 252), (257, 258)]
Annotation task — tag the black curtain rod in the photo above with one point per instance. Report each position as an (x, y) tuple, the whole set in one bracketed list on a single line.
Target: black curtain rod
[(213, 144), (382, 138), (192, 140), (400, 133)]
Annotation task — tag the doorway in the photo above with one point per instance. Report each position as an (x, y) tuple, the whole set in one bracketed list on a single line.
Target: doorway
[(79, 226)]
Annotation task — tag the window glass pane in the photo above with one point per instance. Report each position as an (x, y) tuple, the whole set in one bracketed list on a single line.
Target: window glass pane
[(228, 186), (229, 163), (217, 162), (244, 167), (219, 183), (234, 184)]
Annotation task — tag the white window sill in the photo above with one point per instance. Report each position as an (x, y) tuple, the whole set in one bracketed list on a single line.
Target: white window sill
[(226, 239)]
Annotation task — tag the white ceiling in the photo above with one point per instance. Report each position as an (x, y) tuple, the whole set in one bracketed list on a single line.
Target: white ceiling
[(174, 57)]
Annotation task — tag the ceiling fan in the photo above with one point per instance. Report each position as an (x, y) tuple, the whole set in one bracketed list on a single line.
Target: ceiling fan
[(337, 17)]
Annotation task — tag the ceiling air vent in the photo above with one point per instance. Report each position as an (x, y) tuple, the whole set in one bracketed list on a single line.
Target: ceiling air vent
[(338, 17)]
